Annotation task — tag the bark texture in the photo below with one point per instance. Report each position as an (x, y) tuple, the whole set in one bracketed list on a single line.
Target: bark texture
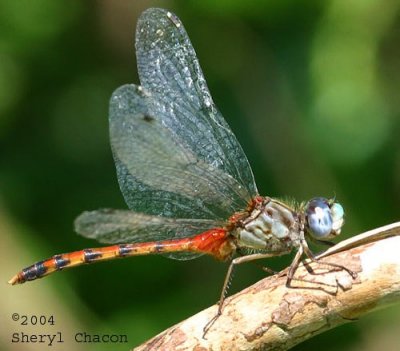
[(270, 316)]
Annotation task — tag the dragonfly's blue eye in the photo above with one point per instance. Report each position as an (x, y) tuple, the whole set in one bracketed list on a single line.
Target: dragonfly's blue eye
[(319, 218), (337, 213)]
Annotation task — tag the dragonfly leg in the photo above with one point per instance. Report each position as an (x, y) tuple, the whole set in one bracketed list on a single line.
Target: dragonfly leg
[(264, 268), (306, 250), (294, 265), (234, 262), (311, 256), (269, 270)]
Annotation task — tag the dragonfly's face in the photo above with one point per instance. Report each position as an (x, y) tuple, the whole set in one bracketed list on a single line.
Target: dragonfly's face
[(324, 217)]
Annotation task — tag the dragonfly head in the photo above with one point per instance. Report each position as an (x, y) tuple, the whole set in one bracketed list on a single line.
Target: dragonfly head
[(324, 218)]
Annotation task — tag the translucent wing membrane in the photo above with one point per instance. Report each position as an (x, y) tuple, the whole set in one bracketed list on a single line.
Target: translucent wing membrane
[(156, 167), (124, 226), (168, 67), (175, 155), (178, 157)]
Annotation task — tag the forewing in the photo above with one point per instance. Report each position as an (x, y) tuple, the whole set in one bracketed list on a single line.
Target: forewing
[(124, 226), (158, 173), (169, 70)]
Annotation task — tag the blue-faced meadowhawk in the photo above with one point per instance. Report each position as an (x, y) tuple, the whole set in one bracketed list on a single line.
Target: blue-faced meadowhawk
[(183, 174)]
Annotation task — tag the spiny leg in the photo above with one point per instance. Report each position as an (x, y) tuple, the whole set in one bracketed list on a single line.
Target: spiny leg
[(258, 265), (234, 262), (311, 256), (293, 266), (304, 249)]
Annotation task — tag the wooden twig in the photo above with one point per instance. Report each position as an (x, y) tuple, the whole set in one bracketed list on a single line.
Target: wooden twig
[(270, 316)]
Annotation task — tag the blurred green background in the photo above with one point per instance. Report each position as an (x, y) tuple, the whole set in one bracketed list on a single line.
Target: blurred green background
[(310, 88)]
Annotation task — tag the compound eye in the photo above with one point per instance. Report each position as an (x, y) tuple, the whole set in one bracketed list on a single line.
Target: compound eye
[(319, 218), (337, 212)]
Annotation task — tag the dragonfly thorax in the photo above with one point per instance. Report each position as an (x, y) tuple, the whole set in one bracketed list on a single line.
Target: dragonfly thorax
[(271, 226)]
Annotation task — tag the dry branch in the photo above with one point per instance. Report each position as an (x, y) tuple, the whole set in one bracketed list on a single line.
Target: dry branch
[(270, 316)]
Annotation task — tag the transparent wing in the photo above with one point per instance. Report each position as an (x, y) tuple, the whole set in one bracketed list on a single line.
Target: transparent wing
[(179, 101), (169, 69), (124, 226), (157, 172)]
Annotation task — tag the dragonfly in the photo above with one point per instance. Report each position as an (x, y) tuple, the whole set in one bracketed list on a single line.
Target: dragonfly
[(184, 176)]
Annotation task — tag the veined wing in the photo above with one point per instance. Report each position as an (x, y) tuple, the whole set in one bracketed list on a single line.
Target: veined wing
[(158, 173), (124, 226), (169, 69), (180, 101)]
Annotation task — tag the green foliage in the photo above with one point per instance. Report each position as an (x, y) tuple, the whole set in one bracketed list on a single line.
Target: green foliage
[(309, 88)]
